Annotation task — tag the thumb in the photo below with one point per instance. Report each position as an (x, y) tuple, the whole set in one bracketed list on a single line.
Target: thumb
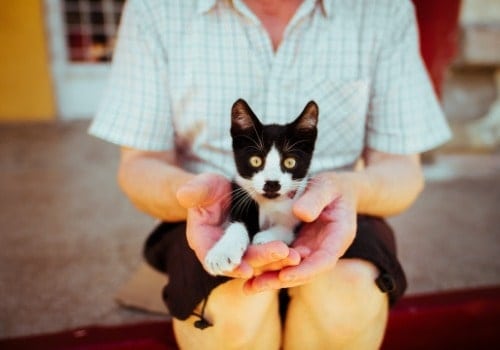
[(320, 192), (202, 191)]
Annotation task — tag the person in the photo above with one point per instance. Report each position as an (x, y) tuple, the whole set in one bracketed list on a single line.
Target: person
[(177, 69)]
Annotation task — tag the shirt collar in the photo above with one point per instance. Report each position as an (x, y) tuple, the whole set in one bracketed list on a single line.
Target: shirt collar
[(206, 5), (327, 5)]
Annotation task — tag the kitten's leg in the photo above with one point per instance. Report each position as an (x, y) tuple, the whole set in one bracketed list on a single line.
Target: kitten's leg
[(275, 233), (226, 254)]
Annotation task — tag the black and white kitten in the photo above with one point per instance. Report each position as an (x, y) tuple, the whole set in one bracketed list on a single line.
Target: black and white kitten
[(272, 163)]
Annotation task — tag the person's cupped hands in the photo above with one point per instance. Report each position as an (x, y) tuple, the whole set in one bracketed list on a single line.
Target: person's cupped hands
[(328, 212), (327, 209), (207, 198)]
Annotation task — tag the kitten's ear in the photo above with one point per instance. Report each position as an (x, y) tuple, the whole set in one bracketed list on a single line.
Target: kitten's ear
[(308, 119), (242, 116)]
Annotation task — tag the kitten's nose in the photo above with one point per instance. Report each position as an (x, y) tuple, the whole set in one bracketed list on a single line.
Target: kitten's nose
[(272, 186)]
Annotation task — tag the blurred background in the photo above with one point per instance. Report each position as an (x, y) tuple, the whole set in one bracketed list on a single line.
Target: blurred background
[(69, 239)]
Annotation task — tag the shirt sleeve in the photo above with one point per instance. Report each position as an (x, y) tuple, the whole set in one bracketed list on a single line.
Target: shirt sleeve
[(404, 114), (135, 109)]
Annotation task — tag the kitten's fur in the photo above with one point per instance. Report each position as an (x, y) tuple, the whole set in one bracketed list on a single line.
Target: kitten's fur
[(272, 163)]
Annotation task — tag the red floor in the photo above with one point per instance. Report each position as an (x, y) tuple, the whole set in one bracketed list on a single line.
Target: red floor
[(468, 319)]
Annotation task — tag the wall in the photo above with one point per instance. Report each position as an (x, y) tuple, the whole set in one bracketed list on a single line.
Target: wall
[(26, 91), (472, 86)]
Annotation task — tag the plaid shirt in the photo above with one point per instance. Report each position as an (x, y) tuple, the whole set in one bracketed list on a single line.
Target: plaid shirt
[(179, 66)]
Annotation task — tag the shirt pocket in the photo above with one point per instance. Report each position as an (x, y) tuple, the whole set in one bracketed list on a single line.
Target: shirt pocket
[(342, 117)]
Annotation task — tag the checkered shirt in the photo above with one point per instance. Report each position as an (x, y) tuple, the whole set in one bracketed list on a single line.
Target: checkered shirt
[(179, 66)]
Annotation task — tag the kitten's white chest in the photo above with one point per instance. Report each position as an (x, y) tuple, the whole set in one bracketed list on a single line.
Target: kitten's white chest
[(277, 213)]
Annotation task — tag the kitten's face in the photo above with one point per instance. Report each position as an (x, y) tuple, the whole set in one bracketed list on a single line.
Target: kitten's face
[(272, 160)]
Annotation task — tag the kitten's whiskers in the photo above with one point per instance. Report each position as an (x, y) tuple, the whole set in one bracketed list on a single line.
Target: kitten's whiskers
[(257, 143), (259, 139), (241, 201), (287, 147)]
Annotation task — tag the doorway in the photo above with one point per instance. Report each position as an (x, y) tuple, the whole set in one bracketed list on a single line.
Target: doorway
[(82, 34)]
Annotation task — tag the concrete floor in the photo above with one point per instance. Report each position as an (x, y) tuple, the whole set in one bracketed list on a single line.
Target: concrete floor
[(70, 239)]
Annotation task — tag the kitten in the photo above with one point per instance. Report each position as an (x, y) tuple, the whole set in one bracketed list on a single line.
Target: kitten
[(272, 163)]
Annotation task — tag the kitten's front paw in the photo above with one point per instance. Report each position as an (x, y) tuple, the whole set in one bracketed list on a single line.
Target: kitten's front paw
[(263, 237), (226, 254), (274, 234), (218, 262)]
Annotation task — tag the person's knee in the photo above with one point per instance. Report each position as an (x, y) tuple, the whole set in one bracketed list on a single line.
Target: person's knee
[(237, 332), (346, 300), (238, 321), (221, 335)]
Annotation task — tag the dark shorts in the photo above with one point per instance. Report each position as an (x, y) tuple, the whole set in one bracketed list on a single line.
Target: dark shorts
[(167, 250)]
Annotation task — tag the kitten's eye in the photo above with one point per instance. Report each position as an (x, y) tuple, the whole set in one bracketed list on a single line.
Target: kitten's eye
[(289, 163), (255, 161)]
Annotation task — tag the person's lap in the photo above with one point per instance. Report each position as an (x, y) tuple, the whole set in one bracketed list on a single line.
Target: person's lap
[(345, 305), (341, 308)]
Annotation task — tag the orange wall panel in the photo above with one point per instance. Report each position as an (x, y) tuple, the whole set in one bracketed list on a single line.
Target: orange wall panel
[(26, 88)]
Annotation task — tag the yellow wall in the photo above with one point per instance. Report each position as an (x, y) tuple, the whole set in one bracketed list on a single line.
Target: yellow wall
[(26, 89)]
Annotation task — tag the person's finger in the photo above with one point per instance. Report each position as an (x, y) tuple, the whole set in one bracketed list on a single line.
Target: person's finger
[(202, 191), (310, 267), (292, 259), (303, 251), (264, 254), (291, 276), (244, 271), (320, 192), (266, 281), (276, 266)]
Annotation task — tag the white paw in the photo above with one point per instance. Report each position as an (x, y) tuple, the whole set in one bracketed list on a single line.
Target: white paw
[(277, 233), (226, 254), (264, 237)]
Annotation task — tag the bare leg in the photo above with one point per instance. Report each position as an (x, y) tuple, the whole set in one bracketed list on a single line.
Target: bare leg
[(341, 309), (240, 321)]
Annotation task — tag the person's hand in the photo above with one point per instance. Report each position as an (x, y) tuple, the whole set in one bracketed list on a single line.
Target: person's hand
[(328, 210), (207, 198)]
